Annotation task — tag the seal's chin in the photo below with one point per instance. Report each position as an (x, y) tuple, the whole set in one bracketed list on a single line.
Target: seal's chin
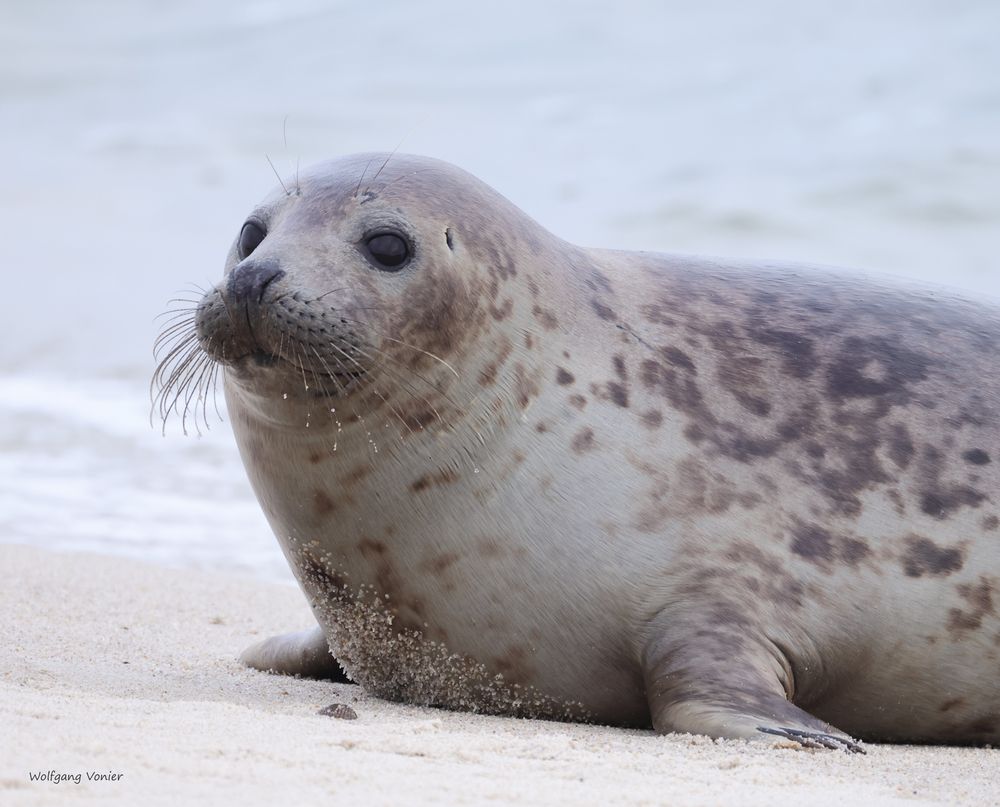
[(268, 373)]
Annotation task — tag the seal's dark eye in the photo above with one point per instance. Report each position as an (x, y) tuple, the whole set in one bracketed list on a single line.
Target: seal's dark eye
[(388, 250), (250, 237)]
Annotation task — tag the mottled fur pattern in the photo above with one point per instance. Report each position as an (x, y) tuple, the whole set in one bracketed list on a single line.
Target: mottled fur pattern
[(707, 495)]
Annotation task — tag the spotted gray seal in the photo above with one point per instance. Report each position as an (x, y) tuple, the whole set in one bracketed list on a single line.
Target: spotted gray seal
[(517, 476)]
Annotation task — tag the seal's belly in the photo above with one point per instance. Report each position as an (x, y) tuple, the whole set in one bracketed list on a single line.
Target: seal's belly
[(462, 639)]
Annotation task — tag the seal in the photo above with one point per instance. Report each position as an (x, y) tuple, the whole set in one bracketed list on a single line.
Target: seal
[(516, 476)]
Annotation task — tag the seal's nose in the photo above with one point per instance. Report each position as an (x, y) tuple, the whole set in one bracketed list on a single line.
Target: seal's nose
[(250, 279)]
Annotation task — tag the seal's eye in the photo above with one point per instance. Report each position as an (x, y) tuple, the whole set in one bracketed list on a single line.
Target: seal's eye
[(250, 237), (388, 250)]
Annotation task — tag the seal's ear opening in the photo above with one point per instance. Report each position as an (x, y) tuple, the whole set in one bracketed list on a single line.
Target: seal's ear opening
[(388, 251)]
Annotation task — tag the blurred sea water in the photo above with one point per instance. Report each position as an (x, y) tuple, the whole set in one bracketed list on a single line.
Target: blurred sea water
[(135, 134)]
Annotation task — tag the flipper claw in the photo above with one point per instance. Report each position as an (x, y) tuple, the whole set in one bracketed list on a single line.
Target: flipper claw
[(816, 739)]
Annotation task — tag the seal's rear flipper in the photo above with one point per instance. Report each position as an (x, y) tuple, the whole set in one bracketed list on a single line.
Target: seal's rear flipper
[(305, 654), (719, 679)]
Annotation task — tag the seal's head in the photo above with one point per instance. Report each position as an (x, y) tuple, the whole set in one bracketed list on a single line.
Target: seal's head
[(372, 276)]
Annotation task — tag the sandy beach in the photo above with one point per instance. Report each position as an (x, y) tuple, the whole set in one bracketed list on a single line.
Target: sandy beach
[(865, 135), (111, 666)]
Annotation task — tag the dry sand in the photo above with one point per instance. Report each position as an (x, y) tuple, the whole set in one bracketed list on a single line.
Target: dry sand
[(111, 665)]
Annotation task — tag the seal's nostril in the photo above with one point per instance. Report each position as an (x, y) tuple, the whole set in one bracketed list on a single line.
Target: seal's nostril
[(250, 279)]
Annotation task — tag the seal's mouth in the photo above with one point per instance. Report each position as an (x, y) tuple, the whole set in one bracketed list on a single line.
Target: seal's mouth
[(264, 359), (282, 344), (282, 332)]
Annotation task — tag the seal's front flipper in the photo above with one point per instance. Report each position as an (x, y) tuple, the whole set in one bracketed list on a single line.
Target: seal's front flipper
[(722, 680), (812, 739), (305, 654)]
